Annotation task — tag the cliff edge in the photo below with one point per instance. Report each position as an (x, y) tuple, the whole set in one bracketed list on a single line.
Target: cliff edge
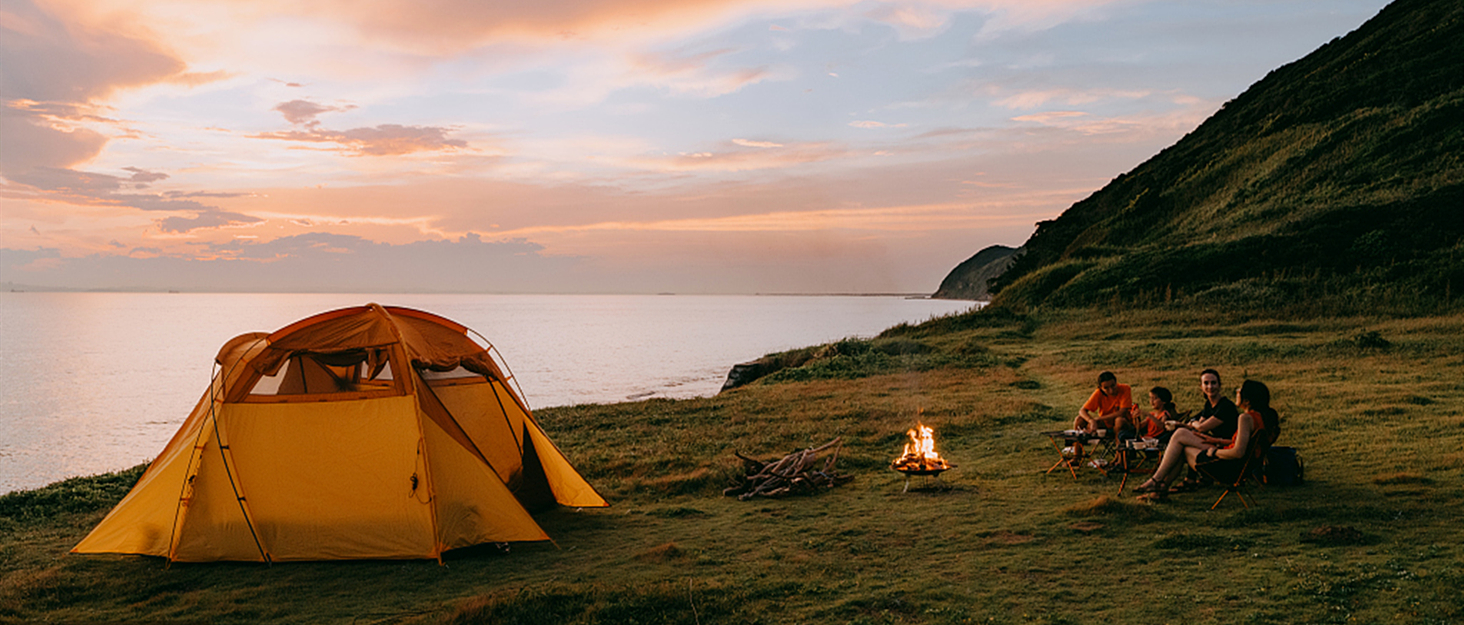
[(970, 278)]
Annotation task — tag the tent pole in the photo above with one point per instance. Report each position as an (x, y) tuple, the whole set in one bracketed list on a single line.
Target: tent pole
[(504, 411), (506, 369), (417, 386), (215, 382), (243, 508)]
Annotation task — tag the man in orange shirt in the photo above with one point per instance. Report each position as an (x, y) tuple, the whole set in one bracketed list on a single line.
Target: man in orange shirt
[(1108, 407)]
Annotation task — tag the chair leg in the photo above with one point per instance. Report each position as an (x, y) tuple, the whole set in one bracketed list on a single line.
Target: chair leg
[(1250, 493), (1239, 490)]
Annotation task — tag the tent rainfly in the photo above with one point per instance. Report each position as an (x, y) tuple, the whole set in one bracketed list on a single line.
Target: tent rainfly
[(368, 432)]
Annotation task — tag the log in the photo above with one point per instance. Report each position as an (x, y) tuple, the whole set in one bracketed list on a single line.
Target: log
[(791, 474)]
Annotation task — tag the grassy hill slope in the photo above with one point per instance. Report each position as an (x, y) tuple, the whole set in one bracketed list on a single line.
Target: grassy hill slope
[(1336, 181)]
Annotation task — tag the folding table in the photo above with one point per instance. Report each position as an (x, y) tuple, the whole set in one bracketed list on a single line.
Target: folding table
[(1080, 442)]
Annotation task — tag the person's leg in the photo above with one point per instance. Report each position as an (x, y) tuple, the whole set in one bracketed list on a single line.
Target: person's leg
[(1173, 457), (1181, 445), (1081, 422), (1191, 455), (1196, 478), (1186, 438)]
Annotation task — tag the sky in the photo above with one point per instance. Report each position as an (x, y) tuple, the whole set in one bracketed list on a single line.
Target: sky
[(573, 146)]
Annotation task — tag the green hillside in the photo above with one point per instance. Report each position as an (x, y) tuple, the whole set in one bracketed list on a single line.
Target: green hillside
[(1336, 183)]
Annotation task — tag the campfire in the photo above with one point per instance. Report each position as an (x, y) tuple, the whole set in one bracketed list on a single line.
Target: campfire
[(920, 457)]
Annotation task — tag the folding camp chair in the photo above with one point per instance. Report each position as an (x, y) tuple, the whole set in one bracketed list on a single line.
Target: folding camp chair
[(1233, 474)]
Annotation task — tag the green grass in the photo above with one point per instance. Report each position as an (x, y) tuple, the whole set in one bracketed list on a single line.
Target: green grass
[(1371, 537)]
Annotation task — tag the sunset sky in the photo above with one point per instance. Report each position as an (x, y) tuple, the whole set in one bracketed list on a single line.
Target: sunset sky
[(641, 146)]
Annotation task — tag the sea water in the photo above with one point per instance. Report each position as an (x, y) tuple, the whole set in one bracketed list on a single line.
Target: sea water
[(95, 382)]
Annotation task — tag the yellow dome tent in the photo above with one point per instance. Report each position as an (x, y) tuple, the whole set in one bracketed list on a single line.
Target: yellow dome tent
[(368, 432)]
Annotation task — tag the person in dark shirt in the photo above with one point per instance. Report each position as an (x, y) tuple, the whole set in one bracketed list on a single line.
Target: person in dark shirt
[(1219, 415), (1217, 418)]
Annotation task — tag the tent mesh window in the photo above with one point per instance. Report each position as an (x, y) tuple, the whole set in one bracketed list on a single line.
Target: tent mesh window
[(451, 377), (362, 372)]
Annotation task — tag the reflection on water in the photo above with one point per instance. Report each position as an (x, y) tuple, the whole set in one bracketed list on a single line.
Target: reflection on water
[(95, 382)]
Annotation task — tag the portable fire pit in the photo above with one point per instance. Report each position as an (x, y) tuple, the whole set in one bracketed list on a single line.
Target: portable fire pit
[(920, 457)]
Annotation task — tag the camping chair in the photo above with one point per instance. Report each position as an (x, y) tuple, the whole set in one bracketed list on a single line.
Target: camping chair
[(1234, 473)]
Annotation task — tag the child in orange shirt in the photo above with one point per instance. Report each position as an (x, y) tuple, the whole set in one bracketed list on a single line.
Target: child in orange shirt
[(1152, 426)]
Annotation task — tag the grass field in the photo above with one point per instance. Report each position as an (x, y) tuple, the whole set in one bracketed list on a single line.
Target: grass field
[(1375, 406)]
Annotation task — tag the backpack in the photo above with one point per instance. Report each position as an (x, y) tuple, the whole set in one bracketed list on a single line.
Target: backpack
[(1283, 467)]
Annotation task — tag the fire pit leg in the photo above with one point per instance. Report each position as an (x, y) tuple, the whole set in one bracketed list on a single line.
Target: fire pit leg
[(907, 485)]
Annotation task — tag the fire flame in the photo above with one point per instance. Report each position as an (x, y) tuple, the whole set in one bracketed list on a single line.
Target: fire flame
[(920, 453)]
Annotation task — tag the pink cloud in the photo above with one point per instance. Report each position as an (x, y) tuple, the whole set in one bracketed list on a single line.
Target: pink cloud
[(204, 219), (732, 158), (1049, 117), (695, 75), (1071, 97), (383, 140), (747, 143), (56, 76), (305, 111), (83, 188), (50, 61), (143, 177), (911, 21), (194, 79), (451, 26), (34, 141)]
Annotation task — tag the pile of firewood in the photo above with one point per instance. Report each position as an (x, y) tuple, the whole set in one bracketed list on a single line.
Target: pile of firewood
[(797, 473)]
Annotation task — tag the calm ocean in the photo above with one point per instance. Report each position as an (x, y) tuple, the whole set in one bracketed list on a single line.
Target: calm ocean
[(94, 382)]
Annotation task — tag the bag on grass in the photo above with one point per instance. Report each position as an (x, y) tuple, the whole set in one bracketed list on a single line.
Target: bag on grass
[(1283, 467)]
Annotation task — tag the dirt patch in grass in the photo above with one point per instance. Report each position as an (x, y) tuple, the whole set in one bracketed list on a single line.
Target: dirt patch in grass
[(1403, 479), (1336, 535), (1086, 527), (1009, 538), (662, 553), (1118, 509)]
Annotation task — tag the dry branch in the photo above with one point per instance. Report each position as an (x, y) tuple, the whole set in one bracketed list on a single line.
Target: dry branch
[(793, 474)]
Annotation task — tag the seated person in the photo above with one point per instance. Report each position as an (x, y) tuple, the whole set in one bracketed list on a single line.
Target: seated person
[(1217, 418), (1152, 425), (1188, 446), (1108, 407)]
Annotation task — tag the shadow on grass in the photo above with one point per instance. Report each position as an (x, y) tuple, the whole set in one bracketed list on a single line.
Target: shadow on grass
[(670, 603)]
